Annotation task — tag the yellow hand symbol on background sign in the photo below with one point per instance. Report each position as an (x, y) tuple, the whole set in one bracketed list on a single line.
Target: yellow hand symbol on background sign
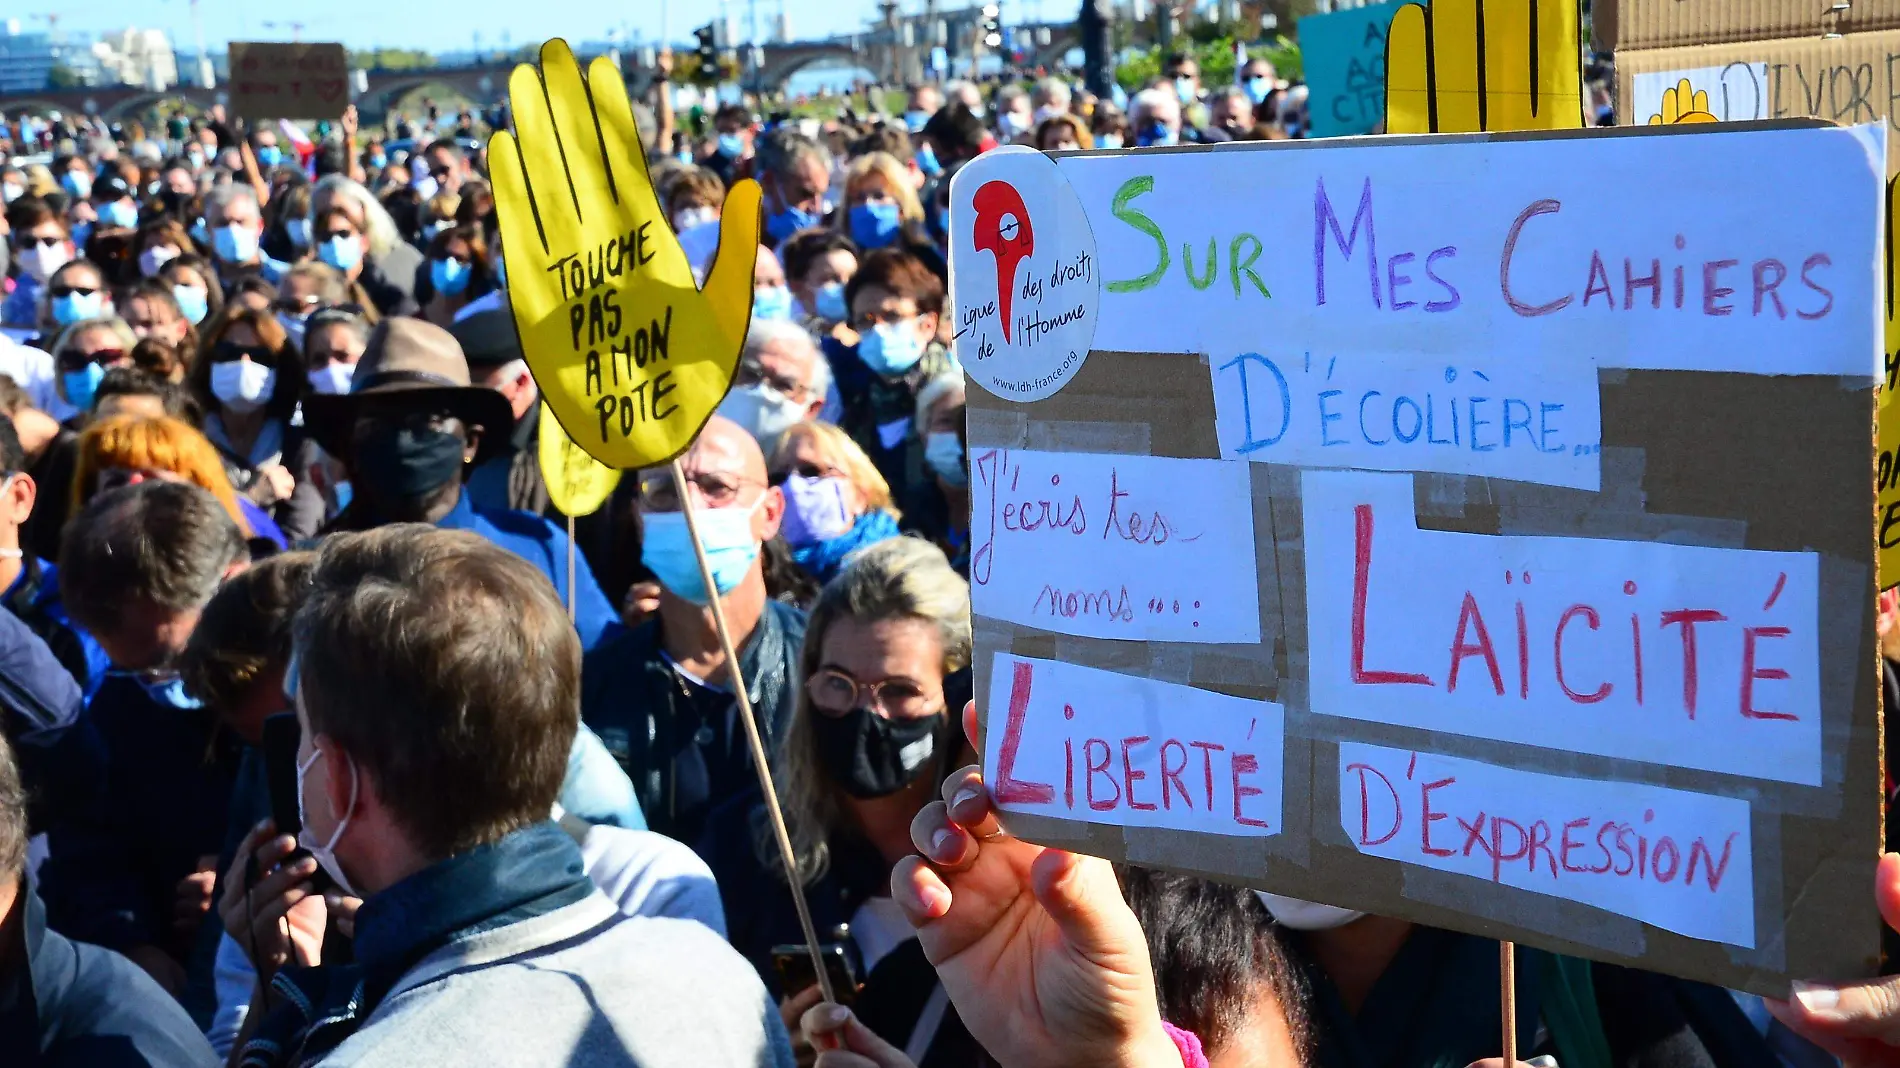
[(577, 483), (1465, 66), (1683, 103), (630, 354)]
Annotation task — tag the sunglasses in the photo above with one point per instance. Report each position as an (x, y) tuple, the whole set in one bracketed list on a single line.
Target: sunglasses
[(226, 352), (73, 360), (44, 241), (70, 291)]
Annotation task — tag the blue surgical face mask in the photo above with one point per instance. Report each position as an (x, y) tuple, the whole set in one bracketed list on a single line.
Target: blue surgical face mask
[(193, 301), (927, 160), (771, 302), (890, 349), (82, 232), (298, 230), (731, 145), (73, 307), (269, 156), (1257, 89), (342, 252), (1157, 134), (82, 384), (830, 301), (378, 161), (914, 120), (1184, 90), (199, 232), (234, 244), (943, 454), (122, 214), (790, 221), (876, 223), (449, 276), (667, 549), (77, 183)]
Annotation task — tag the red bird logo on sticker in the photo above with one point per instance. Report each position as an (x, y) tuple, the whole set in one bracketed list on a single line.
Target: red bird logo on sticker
[(1003, 230)]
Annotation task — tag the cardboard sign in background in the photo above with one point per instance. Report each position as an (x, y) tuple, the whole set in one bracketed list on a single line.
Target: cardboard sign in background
[(1344, 57), (288, 81), (1627, 24), (1756, 447)]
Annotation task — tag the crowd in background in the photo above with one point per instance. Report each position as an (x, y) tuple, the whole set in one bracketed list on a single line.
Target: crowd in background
[(318, 748)]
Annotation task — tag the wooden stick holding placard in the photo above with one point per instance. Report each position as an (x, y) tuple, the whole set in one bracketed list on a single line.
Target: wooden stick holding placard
[(1507, 983), (573, 604), (759, 760)]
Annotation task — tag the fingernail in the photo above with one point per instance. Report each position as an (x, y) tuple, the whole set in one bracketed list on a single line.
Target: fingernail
[(836, 1015), (939, 840), (261, 824), (1815, 998), (307, 864), (936, 900), (964, 796)]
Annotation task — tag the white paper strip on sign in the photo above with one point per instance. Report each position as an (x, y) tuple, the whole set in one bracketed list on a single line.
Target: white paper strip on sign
[(1497, 414), (1083, 744), (1676, 860), (1645, 251), (1672, 654), (1137, 547)]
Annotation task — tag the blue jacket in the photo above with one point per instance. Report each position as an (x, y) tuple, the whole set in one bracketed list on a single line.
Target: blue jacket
[(34, 597), (74, 1004), (111, 880), (62, 760)]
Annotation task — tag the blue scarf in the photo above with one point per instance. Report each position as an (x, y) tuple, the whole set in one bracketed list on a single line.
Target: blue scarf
[(532, 872), (821, 560)]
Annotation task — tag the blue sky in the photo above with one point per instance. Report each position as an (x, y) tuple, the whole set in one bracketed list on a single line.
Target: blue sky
[(440, 25)]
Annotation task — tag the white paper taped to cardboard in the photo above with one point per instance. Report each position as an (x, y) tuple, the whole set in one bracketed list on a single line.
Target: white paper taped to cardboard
[(1677, 860), (1495, 414), (1134, 547), (1645, 251), (1734, 92), (1671, 654), (1089, 745)]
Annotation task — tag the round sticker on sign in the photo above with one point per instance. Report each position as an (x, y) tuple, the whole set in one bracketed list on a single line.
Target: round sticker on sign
[(1024, 280)]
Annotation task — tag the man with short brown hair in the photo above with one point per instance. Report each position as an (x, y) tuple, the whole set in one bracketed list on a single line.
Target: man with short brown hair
[(437, 683)]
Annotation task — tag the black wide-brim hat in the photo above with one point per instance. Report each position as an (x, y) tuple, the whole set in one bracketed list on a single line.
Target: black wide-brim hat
[(410, 365)]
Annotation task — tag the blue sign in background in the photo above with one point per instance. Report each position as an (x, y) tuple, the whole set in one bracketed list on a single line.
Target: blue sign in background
[(1344, 57)]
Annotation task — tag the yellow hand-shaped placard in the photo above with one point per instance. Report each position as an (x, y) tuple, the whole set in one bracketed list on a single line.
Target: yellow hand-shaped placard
[(630, 354), (577, 483), (1887, 517), (1683, 103), (1465, 66)]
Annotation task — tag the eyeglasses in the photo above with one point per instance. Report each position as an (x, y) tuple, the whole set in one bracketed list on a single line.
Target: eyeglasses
[(659, 494), (70, 291), (753, 373), (416, 422), (836, 692)]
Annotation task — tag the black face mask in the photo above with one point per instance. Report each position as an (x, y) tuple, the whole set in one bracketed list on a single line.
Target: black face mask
[(871, 756), (395, 463)]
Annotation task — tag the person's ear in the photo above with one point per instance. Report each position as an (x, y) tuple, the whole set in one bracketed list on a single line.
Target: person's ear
[(22, 491), (337, 778), (473, 445), (765, 522), (927, 325)]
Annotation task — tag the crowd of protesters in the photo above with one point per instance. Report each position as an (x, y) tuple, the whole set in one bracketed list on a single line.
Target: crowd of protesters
[(316, 748)]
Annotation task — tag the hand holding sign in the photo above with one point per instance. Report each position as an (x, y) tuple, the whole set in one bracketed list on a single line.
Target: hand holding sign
[(631, 355), (1464, 66)]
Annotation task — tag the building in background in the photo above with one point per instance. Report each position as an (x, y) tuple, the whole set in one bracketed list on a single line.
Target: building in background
[(137, 57)]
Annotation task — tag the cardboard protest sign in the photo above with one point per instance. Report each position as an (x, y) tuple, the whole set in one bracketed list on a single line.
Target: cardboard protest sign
[(1851, 79), (630, 353), (1632, 24), (1887, 472), (577, 483), (1343, 54), (288, 81), (1453, 528)]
